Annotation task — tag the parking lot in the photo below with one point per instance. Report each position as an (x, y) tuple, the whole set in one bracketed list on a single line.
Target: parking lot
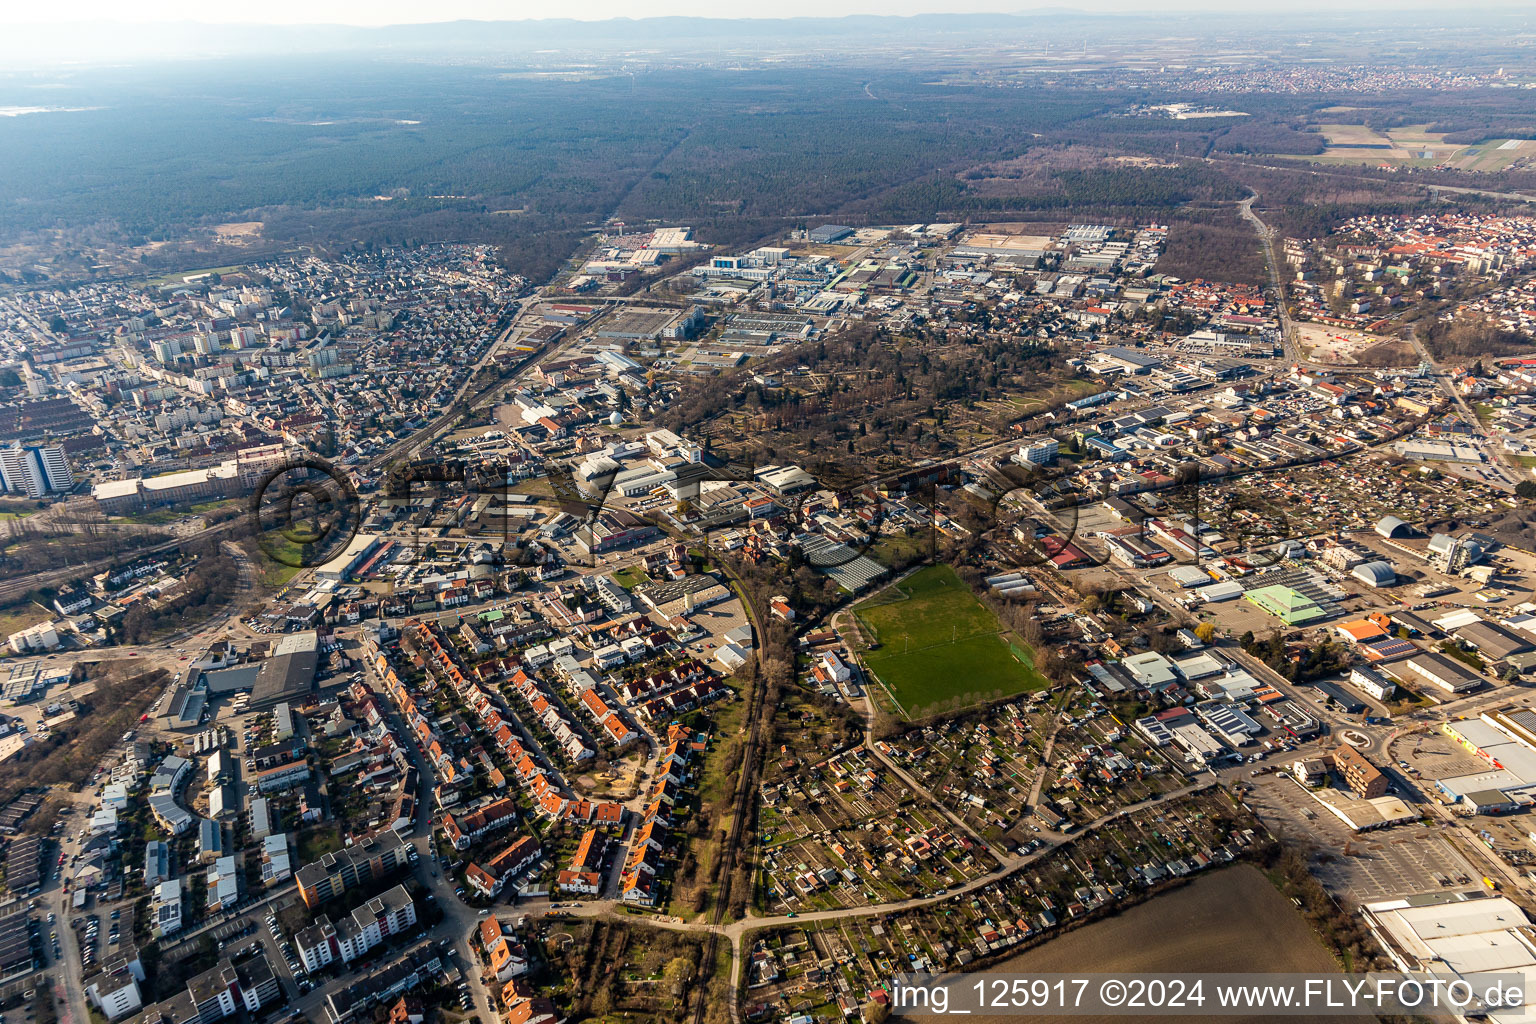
[(1396, 861), (1434, 755)]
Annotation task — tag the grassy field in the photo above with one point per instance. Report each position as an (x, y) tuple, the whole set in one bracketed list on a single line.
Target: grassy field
[(272, 560), (21, 616), (1347, 136), (180, 276), (630, 577), (938, 644)]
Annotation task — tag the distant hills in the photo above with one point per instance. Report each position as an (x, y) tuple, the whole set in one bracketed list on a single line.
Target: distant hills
[(30, 46), (109, 40)]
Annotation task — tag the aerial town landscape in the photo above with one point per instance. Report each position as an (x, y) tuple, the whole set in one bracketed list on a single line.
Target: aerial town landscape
[(487, 530)]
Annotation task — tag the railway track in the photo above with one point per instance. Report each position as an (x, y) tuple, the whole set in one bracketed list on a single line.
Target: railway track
[(757, 717)]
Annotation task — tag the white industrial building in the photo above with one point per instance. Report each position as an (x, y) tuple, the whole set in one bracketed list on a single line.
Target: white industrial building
[(1511, 763), (1375, 573), (1226, 590), (1465, 936), (1151, 670), (1191, 576), (1434, 670)]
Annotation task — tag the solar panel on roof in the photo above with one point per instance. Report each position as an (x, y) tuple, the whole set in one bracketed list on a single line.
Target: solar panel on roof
[(1391, 648)]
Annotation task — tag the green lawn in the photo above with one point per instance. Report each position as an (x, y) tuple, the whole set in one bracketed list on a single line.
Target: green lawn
[(316, 842), (937, 644), (178, 276), (272, 560), (630, 577), (159, 517), (21, 616)]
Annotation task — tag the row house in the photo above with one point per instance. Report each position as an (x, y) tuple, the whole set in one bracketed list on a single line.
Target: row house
[(508, 957), (583, 876), (543, 707), (546, 795), (645, 860), (685, 698), (489, 879), (282, 777), (606, 718), (463, 830), (686, 673)]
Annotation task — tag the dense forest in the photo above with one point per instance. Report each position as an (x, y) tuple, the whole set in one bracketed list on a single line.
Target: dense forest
[(1217, 245), (385, 153), (1464, 337), (350, 152)]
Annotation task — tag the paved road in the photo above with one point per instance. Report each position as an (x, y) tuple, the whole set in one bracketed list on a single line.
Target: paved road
[(58, 901), (1511, 473), (1272, 268)]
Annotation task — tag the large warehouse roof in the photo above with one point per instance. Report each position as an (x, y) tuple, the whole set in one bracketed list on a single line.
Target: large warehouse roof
[(289, 673), (1375, 574), (1290, 606), (1494, 640), (1464, 935), (1188, 576)]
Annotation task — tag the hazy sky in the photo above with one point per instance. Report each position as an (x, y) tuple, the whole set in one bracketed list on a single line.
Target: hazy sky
[(396, 12)]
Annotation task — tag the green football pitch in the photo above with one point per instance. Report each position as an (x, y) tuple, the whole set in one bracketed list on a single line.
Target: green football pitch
[(938, 643)]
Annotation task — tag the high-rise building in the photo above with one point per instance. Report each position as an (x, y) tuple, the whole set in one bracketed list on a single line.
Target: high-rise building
[(21, 472), (34, 471), (55, 467)]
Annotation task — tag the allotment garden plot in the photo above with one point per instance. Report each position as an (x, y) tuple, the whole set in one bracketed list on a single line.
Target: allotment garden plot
[(846, 833), (984, 766), (806, 965)]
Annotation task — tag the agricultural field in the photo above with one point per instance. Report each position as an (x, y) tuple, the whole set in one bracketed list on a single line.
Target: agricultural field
[(937, 646), (1417, 146), (1495, 155), (1231, 920)]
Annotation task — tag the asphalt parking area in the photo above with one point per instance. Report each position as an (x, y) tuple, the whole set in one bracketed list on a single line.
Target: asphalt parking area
[(1396, 861)]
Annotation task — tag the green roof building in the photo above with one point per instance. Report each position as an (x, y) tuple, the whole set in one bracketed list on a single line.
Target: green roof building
[(1287, 605)]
